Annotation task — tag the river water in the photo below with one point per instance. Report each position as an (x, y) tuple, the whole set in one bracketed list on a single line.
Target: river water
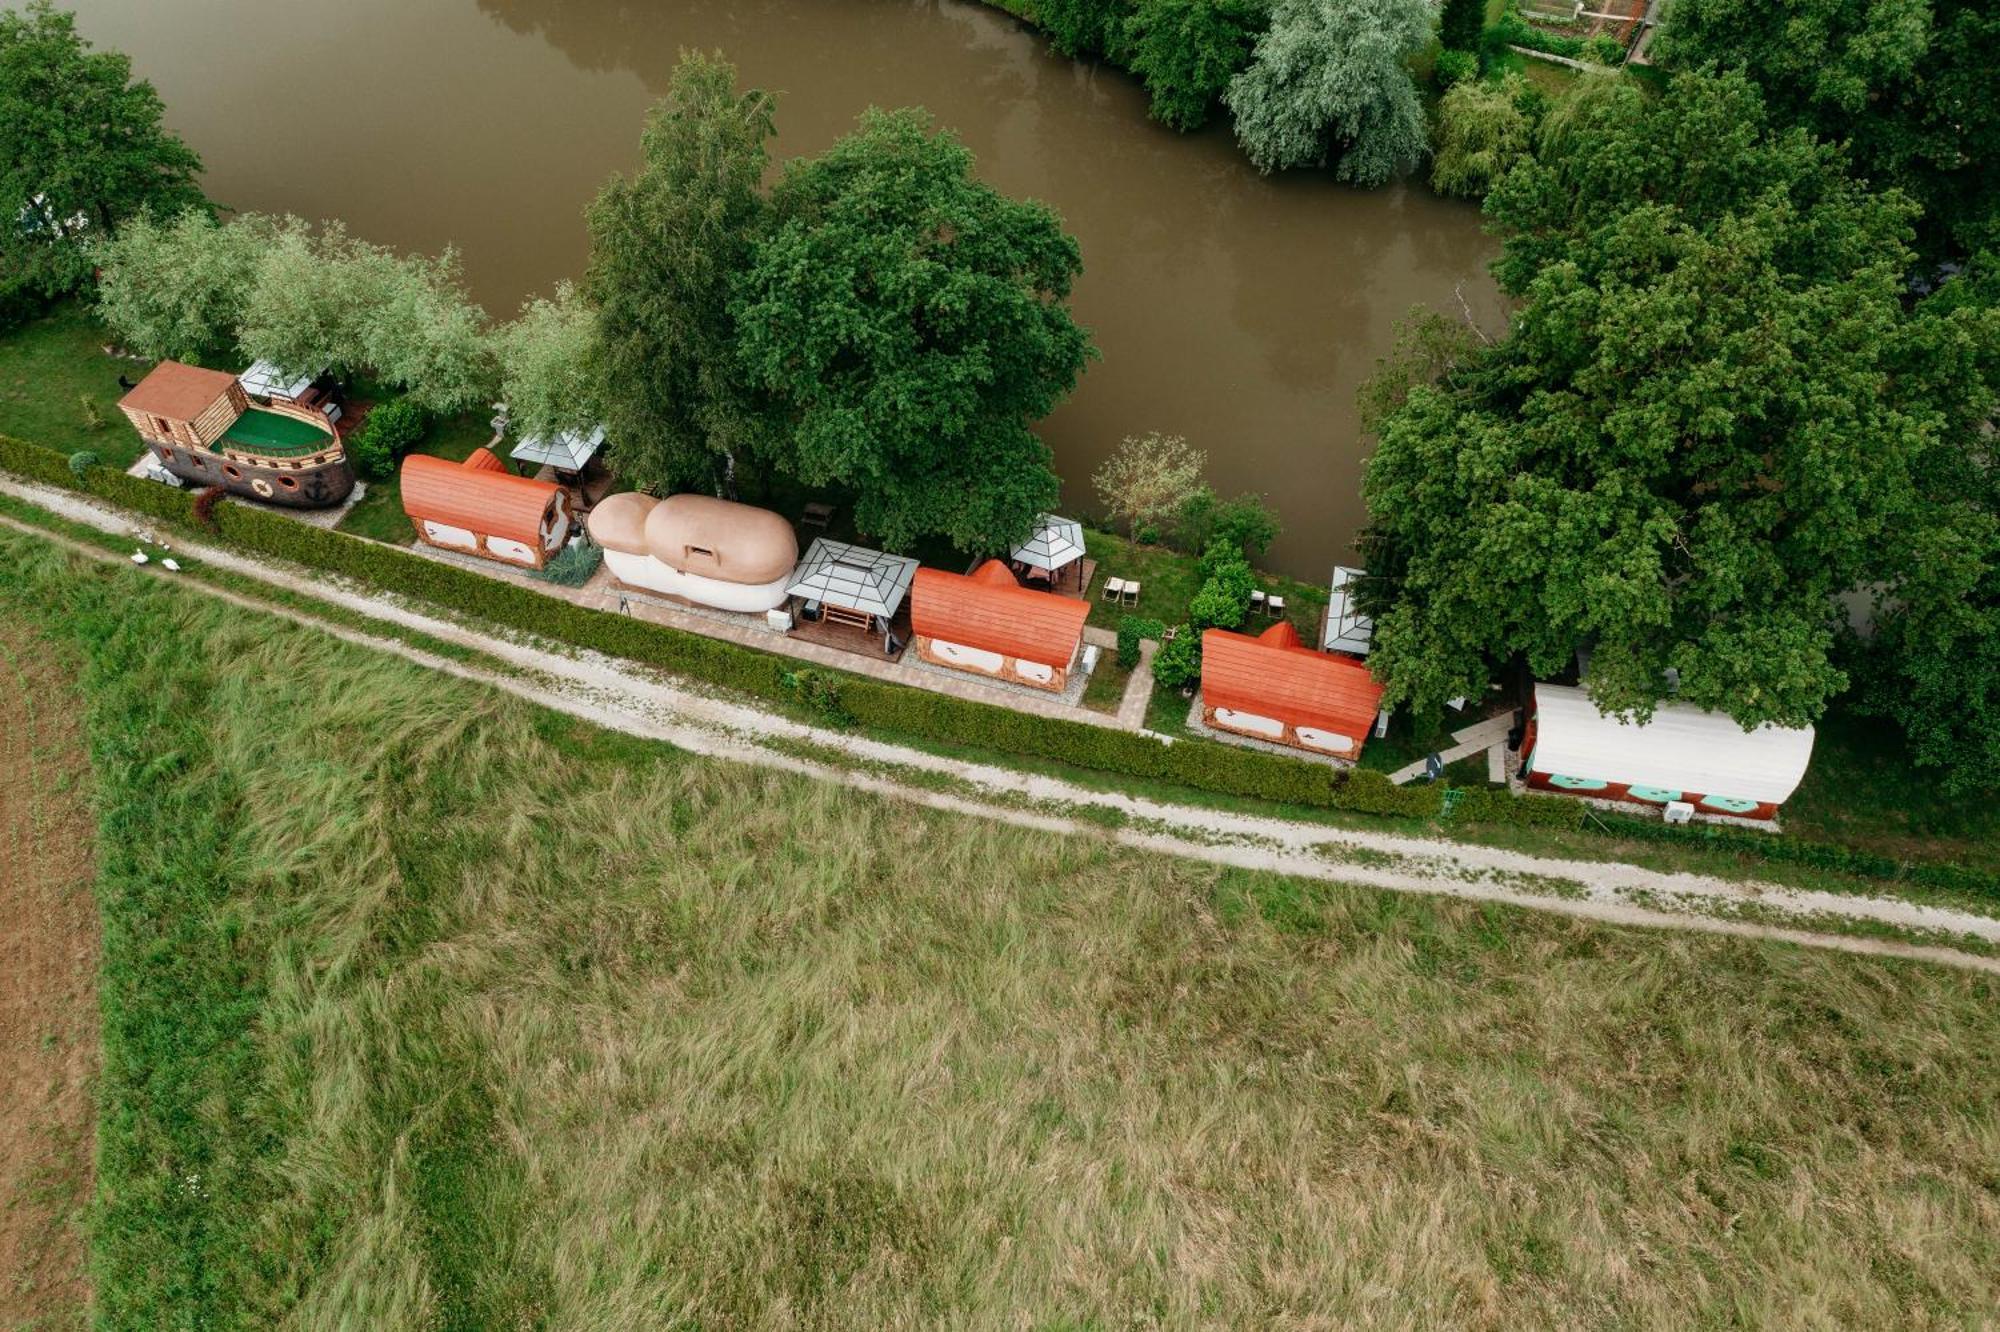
[(1237, 310)]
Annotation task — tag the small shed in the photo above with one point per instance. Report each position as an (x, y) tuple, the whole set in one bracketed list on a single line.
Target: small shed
[(1345, 629), (851, 585), (713, 552), (1273, 687), (1055, 547), (1684, 753), (479, 508), (568, 451), (986, 623), (184, 405)]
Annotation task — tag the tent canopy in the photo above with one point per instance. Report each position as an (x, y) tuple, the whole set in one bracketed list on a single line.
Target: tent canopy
[(853, 577), (1347, 630), (266, 379), (1683, 748), (566, 450), (1055, 544)]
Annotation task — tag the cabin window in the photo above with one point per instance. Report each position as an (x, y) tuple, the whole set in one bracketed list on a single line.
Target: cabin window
[(229, 470), (289, 482), (693, 551)]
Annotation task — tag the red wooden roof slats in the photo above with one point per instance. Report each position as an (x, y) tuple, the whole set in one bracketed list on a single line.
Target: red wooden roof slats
[(494, 504), (177, 392), (483, 460), (988, 610), (1276, 676)]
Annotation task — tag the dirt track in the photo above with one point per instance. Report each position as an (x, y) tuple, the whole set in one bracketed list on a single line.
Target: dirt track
[(640, 702), (48, 990)]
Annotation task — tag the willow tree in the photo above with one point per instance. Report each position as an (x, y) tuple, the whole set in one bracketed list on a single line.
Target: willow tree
[(1330, 84), (1483, 129), (1695, 436), (665, 245), (1187, 51), (911, 323)]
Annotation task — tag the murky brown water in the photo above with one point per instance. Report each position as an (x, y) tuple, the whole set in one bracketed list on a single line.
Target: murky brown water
[(1239, 311)]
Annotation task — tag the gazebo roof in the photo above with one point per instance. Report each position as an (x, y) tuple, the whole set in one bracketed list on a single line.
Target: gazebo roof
[(1347, 630), (566, 450), (853, 577), (1055, 544), (265, 379)]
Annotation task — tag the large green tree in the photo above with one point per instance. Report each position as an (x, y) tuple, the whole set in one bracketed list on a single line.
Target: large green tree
[(178, 288), (82, 149), (1909, 84), (1084, 28), (1187, 51), (552, 365), (665, 246), (911, 322), (1695, 436), (1330, 84), (1933, 662)]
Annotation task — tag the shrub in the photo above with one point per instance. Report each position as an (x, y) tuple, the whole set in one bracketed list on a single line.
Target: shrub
[(819, 691), (1455, 67), (391, 430), (81, 462), (91, 414), (1177, 664), (1482, 131), (1605, 49), (1131, 629), (573, 564), (1245, 523)]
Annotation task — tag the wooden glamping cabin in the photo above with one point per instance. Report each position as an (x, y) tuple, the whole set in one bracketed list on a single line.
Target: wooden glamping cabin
[(712, 552), (988, 624), (1684, 756), (1273, 687), (481, 508), (205, 429)]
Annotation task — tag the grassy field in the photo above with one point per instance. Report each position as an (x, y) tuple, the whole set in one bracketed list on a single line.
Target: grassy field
[(49, 368), (426, 1008)]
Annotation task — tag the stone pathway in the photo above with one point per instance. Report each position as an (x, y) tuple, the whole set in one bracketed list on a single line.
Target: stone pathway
[(636, 701), (1474, 739)]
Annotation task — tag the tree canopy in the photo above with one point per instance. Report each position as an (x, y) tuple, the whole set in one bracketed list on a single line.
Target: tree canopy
[(551, 365), (1330, 83), (1187, 51), (1909, 84), (665, 246), (1699, 431), (910, 322), (1483, 129), (82, 149), (273, 288)]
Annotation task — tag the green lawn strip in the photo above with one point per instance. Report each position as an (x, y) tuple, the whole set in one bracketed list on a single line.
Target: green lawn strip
[(468, 1015), (1105, 689), (48, 368)]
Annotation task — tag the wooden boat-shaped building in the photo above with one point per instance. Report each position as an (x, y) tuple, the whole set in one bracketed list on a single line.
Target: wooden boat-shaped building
[(205, 429)]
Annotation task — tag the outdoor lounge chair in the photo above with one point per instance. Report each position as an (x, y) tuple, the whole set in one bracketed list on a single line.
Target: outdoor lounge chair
[(1114, 589), (1274, 607), (1131, 591)]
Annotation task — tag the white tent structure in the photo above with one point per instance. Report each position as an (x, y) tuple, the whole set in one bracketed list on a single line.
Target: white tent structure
[(1683, 753), (852, 584), (267, 379), (1346, 629), (566, 450), (1055, 544)]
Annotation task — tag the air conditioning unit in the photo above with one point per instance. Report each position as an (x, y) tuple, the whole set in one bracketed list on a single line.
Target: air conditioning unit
[(779, 621), (1679, 811)]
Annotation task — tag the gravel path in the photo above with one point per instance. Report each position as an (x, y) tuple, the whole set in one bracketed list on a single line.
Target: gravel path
[(642, 702)]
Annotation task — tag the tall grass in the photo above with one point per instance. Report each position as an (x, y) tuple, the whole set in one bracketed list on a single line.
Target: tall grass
[(459, 1014)]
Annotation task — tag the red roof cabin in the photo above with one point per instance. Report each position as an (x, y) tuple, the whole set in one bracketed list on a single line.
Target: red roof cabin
[(1272, 687), (480, 508), (986, 623)]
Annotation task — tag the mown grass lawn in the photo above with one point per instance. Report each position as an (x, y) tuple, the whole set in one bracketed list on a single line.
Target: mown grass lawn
[(424, 1007), (49, 368)]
